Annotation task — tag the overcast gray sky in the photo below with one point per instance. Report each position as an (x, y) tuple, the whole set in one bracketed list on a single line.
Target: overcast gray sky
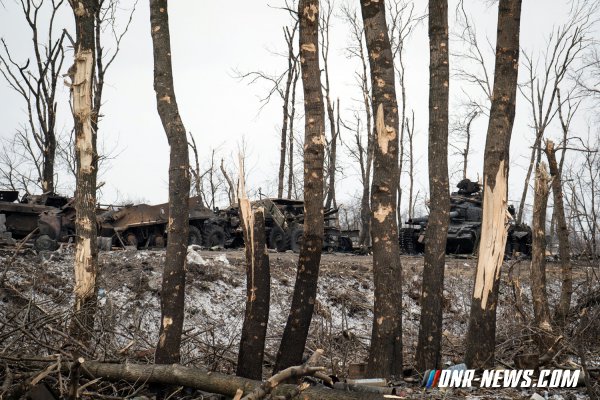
[(212, 39)]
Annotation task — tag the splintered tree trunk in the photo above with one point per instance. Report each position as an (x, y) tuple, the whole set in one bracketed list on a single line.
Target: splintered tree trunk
[(173, 284), (481, 333), (258, 286), (541, 310), (564, 247), (385, 354), (86, 253), (430, 329), (305, 290)]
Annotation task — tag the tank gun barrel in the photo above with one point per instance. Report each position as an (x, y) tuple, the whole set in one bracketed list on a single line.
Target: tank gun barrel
[(418, 220)]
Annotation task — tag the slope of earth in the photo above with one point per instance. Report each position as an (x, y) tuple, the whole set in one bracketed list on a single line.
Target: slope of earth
[(129, 310)]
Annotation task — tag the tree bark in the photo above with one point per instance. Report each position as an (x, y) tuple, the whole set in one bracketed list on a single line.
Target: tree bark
[(173, 284), (430, 328), (86, 253), (385, 354), (258, 287), (541, 309), (481, 333), (564, 247), (305, 289)]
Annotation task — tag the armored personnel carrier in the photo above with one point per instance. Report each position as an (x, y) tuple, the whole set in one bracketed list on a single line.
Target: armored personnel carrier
[(144, 225), (466, 214)]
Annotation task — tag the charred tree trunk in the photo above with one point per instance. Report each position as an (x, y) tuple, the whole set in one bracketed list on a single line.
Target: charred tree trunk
[(305, 290), (430, 328), (564, 247), (385, 354), (173, 284), (48, 164), (541, 310), (86, 253), (481, 334), (258, 287)]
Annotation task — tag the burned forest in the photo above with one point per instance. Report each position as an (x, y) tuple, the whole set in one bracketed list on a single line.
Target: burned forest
[(299, 199)]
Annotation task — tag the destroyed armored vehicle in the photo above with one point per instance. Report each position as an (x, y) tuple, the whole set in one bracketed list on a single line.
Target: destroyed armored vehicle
[(284, 224), (22, 217), (144, 226), (464, 229)]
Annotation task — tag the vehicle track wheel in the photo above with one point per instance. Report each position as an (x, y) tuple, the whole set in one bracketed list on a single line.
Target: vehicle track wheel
[(278, 239), (195, 236), (407, 241), (296, 238), (345, 244), (45, 243), (131, 239), (214, 236)]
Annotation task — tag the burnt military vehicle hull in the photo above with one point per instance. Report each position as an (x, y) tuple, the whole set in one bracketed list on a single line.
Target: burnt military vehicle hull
[(464, 229), (144, 225), (32, 215), (284, 226)]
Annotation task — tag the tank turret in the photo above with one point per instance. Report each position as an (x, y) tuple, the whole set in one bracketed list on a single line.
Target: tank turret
[(466, 214)]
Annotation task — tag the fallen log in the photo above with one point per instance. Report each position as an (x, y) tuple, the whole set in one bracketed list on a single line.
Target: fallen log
[(213, 382)]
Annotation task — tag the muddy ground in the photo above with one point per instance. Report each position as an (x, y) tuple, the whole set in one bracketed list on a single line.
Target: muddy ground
[(129, 311)]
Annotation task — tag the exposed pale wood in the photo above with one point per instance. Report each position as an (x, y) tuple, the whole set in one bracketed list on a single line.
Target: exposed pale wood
[(481, 333)]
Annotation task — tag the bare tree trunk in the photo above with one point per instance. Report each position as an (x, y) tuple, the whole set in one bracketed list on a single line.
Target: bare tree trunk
[(36, 82), (173, 284), (258, 287), (481, 333), (385, 354), (532, 163), (291, 135), (410, 131), (230, 184), (86, 253), (564, 247), (332, 145), (357, 50), (196, 171), (305, 290), (565, 44), (289, 38), (541, 309), (430, 328), (468, 144)]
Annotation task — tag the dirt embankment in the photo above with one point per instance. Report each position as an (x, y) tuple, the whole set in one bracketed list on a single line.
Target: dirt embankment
[(129, 307)]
